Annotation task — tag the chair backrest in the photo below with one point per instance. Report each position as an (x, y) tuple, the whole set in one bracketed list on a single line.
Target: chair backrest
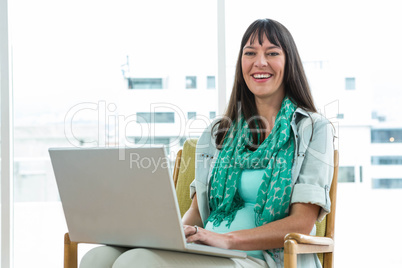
[(184, 176), (327, 226), (330, 228)]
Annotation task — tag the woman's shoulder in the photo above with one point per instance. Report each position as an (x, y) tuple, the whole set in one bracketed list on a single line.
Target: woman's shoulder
[(313, 125), (303, 118)]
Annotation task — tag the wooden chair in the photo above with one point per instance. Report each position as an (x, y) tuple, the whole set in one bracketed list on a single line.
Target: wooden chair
[(182, 179), (302, 244)]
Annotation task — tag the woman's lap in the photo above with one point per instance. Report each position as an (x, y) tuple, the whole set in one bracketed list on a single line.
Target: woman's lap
[(108, 257), (101, 257)]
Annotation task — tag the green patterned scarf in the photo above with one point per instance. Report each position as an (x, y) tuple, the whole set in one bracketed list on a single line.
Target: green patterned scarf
[(275, 155)]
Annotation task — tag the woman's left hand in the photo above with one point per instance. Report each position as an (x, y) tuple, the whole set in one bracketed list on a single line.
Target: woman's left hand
[(205, 237)]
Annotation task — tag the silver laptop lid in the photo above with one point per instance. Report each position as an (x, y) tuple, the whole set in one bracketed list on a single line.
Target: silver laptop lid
[(118, 196)]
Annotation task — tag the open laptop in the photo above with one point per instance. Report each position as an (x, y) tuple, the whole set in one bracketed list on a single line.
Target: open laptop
[(123, 197)]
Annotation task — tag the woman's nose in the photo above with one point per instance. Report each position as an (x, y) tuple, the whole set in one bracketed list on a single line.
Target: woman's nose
[(261, 61)]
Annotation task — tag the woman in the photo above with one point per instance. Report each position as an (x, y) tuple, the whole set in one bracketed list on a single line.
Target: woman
[(263, 170)]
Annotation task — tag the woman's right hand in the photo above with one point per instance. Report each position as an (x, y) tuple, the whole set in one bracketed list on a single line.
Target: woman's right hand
[(190, 230), (199, 235)]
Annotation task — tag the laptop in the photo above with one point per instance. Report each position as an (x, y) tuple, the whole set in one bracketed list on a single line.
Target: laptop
[(123, 197)]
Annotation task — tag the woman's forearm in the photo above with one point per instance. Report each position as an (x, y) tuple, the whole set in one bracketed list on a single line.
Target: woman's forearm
[(272, 235), (192, 215)]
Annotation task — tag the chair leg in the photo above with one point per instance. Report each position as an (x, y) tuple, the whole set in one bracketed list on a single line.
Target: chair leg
[(290, 256), (70, 252), (329, 260)]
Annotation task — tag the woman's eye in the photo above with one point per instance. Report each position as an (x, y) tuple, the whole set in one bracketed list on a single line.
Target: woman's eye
[(273, 54), (249, 53)]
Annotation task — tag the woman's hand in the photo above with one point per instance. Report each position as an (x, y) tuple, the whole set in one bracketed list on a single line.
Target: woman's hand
[(201, 236)]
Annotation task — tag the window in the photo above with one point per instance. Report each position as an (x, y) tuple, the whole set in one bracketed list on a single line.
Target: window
[(387, 183), (191, 115), (314, 64), (145, 83), (31, 175), (45, 108), (386, 160), (346, 174), (212, 115), (156, 117), (350, 83), (191, 82), (154, 141), (340, 116), (182, 141), (386, 135), (211, 82), (380, 118)]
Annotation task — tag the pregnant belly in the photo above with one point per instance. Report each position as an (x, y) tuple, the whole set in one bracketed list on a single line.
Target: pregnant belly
[(245, 219)]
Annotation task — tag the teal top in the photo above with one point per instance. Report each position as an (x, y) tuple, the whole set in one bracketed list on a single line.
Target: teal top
[(250, 181)]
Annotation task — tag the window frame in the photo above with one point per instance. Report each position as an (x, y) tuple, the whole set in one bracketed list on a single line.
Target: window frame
[(7, 199)]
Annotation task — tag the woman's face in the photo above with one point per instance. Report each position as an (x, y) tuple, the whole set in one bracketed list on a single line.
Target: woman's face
[(263, 69)]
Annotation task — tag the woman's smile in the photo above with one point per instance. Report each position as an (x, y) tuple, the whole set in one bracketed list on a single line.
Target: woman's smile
[(261, 77)]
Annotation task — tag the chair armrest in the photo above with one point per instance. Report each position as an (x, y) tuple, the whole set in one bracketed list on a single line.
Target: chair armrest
[(301, 244), (310, 239)]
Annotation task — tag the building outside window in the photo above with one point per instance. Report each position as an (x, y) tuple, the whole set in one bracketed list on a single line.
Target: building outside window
[(167, 117), (346, 174), (340, 116), (350, 83), (191, 115), (191, 82), (387, 183), (212, 115), (211, 82), (386, 160), (145, 83), (182, 141), (153, 141), (386, 135)]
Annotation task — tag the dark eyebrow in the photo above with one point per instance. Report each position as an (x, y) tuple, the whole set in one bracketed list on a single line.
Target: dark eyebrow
[(271, 47)]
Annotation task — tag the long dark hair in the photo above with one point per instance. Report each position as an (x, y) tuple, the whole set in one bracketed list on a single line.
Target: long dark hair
[(294, 81)]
